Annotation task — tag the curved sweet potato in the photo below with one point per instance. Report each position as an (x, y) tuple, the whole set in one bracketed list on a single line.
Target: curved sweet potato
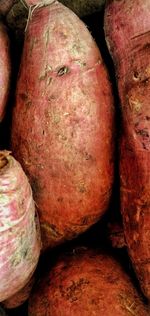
[(63, 123), (127, 29), (19, 233), (4, 69), (86, 283)]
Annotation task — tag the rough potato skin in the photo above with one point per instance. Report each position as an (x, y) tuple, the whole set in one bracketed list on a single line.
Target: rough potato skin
[(4, 69), (63, 123), (86, 283), (19, 232), (127, 29)]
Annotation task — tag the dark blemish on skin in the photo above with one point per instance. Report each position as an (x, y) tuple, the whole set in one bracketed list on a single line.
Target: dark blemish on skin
[(146, 46), (42, 77), (36, 187), (24, 253), (82, 188), (85, 220), (141, 35), (74, 291), (63, 71), (51, 229), (112, 279), (49, 80), (136, 124), (29, 103), (136, 76), (144, 146), (143, 133), (52, 97), (88, 157), (23, 96), (147, 118)]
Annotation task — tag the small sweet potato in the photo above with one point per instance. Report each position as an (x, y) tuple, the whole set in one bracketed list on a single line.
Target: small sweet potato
[(86, 283), (63, 123), (127, 30), (19, 231)]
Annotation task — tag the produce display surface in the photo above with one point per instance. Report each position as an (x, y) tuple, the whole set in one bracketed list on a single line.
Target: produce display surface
[(74, 158)]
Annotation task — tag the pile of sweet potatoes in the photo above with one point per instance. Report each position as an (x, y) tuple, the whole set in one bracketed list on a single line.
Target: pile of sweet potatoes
[(76, 116)]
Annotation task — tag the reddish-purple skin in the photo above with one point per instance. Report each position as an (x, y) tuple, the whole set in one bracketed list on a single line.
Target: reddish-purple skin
[(63, 123), (4, 69), (87, 283), (19, 231), (127, 30)]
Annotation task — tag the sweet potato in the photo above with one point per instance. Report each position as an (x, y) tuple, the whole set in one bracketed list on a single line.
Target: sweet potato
[(63, 123), (4, 69), (127, 29), (86, 283), (19, 233)]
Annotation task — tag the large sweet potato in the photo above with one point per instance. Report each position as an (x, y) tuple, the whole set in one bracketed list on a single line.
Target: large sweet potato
[(63, 123), (4, 69), (127, 29), (86, 283), (19, 233)]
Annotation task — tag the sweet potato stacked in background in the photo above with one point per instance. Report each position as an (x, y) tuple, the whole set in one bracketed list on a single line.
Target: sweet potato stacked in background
[(129, 44), (61, 127)]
